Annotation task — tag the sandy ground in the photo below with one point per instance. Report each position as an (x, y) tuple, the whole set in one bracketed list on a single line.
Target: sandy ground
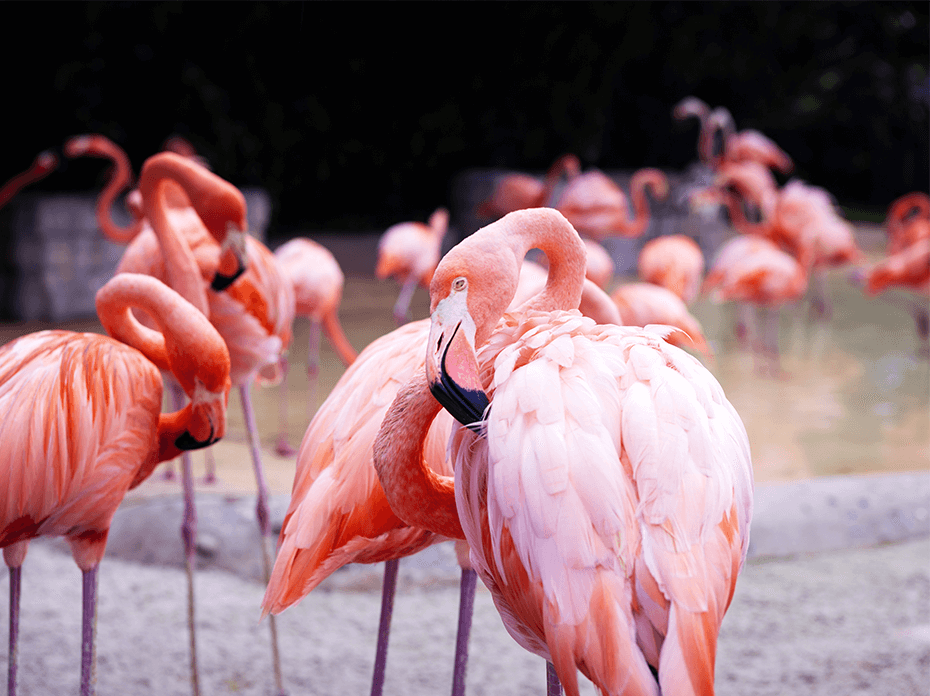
[(848, 622)]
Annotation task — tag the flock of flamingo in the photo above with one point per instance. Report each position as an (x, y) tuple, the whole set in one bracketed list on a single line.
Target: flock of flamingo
[(591, 470)]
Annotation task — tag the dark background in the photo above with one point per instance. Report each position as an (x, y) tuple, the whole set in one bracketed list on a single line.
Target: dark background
[(357, 115)]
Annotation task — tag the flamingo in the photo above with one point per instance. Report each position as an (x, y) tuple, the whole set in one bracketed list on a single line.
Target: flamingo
[(598, 208), (318, 282), (44, 164), (754, 270), (82, 425), (519, 191), (642, 304), (675, 262), (721, 143), (602, 480), (908, 220), (599, 264), (410, 251), (338, 512)]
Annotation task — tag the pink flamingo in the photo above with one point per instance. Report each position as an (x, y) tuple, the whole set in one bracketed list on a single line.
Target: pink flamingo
[(754, 270), (318, 282), (620, 562), (82, 425), (44, 164), (598, 208), (519, 191), (722, 143), (409, 251), (675, 262), (907, 221), (642, 304)]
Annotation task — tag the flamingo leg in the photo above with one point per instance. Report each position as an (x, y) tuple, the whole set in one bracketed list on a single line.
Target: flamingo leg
[(466, 611), (189, 537), (821, 307), (209, 476), (264, 522), (388, 588), (553, 685), (283, 447), (16, 576), (402, 306), (89, 632), (313, 366)]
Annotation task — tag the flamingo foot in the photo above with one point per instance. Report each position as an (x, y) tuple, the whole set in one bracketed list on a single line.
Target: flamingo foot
[(169, 474), (283, 448)]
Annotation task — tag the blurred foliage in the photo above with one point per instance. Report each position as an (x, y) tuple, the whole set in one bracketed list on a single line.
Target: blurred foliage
[(358, 115)]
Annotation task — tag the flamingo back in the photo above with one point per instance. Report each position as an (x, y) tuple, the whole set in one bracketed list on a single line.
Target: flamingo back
[(315, 274), (608, 507), (674, 262)]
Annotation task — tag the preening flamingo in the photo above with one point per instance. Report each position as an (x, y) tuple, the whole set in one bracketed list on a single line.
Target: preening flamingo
[(907, 221), (82, 425), (43, 165), (642, 304), (409, 251), (755, 272), (603, 481), (675, 262), (721, 142), (338, 512), (318, 282), (519, 191), (598, 208)]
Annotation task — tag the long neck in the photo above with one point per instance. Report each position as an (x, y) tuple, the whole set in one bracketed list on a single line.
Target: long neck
[(416, 493), (638, 184), (42, 167), (567, 164), (180, 263), (337, 337), (120, 179)]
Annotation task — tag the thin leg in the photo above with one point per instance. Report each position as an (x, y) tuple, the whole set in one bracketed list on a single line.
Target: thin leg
[(168, 471), (89, 632), (466, 610), (313, 366), (16, 576), (384, 625), (189, 537), (402, 306), (821, 308), (282, 446), (264, 522), (209, 476), (553, 685)]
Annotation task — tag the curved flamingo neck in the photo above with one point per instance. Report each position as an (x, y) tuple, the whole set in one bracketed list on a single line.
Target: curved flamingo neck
[(656, 182), (114, 303), (416, 493), (567, 165), (43, 165), (334, 332), (120, 179)]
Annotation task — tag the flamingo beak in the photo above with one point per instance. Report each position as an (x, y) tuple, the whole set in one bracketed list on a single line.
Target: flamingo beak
[(207, 423), (232, 263), (452, 371)]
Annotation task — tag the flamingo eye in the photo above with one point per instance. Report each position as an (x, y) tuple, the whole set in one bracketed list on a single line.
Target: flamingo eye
[(459, 284)]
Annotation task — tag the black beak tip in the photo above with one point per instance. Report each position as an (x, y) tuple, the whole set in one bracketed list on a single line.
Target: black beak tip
[(221, 282), (186, 442)]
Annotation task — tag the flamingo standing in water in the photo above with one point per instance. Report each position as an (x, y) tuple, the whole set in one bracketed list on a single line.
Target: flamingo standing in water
[(675, 262), (43, 165), (598, 208), (409, 251), (519, 191), (602, 479), (318, 282), (82, 425)]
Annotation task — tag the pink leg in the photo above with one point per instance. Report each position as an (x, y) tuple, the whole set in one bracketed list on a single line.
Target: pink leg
[(402, 306), (264, 523), (209, 461), (553, 685), (189, 537), (283, 447), (89, 632), (16, 576), (384, 625), (466, 611), (313, 366)]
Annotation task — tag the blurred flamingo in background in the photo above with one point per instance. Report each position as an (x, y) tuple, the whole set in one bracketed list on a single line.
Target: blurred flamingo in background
[(44, 164), (907, 221), (519, 191), (82, 425), (675, 262), (620, 563), (409, 251), (721, 143), (598, 208), (642, 304), (754, 272), (318, 282)]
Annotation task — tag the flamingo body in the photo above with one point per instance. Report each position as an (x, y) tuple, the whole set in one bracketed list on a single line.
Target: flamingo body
[(675, 262), (642, 304)]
